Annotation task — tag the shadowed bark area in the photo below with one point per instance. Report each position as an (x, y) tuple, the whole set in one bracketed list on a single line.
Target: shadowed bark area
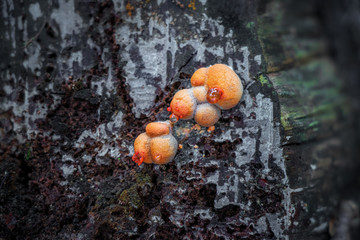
[(81, 79)]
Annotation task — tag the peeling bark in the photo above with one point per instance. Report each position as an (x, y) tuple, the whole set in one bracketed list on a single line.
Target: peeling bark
[(81, 79)]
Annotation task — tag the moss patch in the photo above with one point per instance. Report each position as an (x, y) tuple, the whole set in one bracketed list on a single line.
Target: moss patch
[(310, 97)]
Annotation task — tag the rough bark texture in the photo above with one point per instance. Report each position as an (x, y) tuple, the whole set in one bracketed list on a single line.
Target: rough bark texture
[(81, 79)]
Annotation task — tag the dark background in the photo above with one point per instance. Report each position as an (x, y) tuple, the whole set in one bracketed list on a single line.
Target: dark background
[(111, 200)]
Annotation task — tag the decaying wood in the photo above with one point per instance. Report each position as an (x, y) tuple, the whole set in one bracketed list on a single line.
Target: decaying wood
[(81, 79)]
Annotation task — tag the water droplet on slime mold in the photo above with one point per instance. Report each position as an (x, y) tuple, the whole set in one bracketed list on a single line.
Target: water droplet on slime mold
[(214, 95)]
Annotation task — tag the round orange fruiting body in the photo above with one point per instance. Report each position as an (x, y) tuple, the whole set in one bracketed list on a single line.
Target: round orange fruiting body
[(217, 85), (183, 104), (223, 78), (199, 77), (163, 149), (157, 145), (142, 149), (207, 115), (199, 93), (155, 129)]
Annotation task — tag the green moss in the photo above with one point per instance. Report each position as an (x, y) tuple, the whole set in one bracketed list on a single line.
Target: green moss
[(124, 197), (310, 98), (286, 42), (28, 154), (250, 25), (142, 178), (264, 81), (78, 85), (130, 198)]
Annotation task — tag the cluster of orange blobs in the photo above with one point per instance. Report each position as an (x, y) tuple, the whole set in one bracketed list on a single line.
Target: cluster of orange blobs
[(214, 88), (156, 145)]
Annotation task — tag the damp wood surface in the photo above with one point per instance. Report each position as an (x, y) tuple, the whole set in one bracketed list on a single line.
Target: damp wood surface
[(81, 79)]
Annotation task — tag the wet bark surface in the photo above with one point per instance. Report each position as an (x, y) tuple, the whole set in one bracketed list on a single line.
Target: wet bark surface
[(81, 79)]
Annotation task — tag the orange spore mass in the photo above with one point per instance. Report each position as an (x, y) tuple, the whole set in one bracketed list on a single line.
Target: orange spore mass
[(138, 158), (211, 129), (214, 95)]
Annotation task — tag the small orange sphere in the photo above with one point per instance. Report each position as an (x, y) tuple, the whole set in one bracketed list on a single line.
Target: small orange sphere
[(155, 129), (183, 104), (207, 114), (222, 77), (199, 77), (142, 148), (157, 145), (163, 149), (200, 94)]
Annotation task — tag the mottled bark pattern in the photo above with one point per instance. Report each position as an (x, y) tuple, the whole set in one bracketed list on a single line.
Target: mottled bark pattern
[(81, 79)]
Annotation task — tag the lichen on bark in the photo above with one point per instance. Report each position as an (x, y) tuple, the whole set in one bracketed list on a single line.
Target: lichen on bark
[(83, 80)]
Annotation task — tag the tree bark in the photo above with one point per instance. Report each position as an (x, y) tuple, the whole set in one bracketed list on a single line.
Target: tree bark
[(81, 79)]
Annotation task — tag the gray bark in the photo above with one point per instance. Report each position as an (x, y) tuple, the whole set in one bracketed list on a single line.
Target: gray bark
[(81, 79)]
